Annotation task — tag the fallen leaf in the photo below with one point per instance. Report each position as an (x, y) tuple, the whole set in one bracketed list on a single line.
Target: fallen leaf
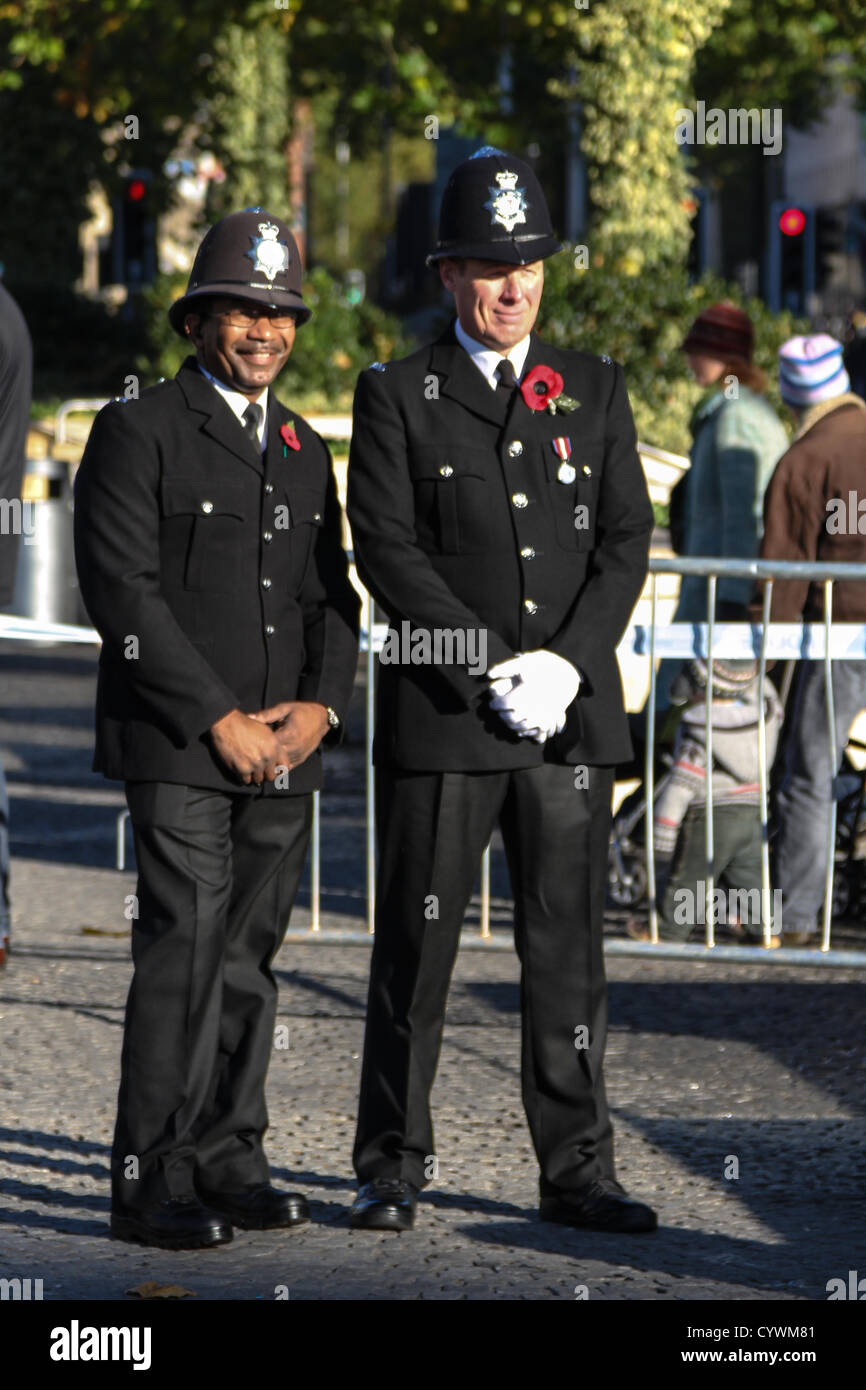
[(154, 1290)]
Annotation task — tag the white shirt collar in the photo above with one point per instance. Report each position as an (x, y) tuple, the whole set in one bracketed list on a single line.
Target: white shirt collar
[(488, 359), (238, 403)]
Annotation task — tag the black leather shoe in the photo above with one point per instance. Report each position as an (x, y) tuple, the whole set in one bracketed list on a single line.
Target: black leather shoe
[(259, 1207), (181, 1223), (602, 1206), (385, 1204)]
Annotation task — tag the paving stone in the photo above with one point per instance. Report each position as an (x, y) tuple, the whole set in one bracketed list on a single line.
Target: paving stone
[(708, 1062)]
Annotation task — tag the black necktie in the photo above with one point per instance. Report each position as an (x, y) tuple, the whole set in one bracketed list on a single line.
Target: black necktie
[(252, 419), (507, 379)]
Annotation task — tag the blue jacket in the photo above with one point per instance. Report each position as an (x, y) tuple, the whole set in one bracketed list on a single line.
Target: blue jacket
[(736, 445)]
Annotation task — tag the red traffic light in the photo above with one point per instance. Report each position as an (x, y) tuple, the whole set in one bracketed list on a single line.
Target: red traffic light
[(792, 222), (135, 190)]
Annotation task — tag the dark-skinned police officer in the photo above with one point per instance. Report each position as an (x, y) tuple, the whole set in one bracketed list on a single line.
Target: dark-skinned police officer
[(475, 512), (210, 560)]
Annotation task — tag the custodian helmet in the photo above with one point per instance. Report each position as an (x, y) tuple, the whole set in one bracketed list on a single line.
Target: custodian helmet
[(250, 255), (493, 209)]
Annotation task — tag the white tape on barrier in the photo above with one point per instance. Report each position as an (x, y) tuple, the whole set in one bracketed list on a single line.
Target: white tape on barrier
[(785, 641), (30, 630)]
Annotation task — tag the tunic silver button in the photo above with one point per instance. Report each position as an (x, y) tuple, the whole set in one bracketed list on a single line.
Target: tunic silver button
[(520, 499), (269, 487), (527, 553), (207, 507), (515, 449), (270, 630), (587, 471), (530, 606), (266, 583), (317, 516), (446, 470), (267, 537)]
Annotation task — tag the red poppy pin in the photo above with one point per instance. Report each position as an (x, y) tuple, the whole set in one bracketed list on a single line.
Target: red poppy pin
[(541, 389), (288, 436)]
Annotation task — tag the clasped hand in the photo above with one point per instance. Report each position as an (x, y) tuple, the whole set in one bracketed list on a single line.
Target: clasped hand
[(532, 691), (258, 747)]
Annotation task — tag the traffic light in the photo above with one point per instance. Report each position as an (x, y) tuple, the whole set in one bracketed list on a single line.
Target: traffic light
[(792, 225), (791, 257), (829, 243), (133, 241)]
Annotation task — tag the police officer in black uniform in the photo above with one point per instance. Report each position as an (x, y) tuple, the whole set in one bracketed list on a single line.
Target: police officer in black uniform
[(210, 560), (495, 492)]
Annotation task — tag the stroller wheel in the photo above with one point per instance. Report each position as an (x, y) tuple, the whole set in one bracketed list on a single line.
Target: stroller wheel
[(627, 881)]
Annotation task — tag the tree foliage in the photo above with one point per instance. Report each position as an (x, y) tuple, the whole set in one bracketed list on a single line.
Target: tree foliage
[(641, 321), (787, 54), (513, 71), (249, 116)]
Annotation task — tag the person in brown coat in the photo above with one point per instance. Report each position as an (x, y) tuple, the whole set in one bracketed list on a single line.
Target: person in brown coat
[(815, 509)]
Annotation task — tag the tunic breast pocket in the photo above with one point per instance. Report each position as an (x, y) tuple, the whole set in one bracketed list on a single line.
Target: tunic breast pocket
[(306, 508), (573, 487), (203, 533), (452, 500)]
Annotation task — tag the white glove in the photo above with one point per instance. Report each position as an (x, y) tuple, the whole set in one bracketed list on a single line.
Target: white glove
[(532, 692)]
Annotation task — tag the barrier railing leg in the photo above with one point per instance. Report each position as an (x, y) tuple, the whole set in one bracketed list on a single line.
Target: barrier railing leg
[(371, 776), (831, 740), (710, 843), (485, 894), (120, 840), (766, 913), (316, 866), (649, 774)]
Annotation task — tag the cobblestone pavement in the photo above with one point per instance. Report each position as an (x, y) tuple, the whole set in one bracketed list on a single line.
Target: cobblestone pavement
[(711, 1067)]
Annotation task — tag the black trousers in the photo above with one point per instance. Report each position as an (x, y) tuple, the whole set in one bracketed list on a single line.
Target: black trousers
[(217, 876), (432, 831)]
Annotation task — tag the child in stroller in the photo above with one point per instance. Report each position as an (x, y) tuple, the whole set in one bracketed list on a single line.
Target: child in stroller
[(679, 811)]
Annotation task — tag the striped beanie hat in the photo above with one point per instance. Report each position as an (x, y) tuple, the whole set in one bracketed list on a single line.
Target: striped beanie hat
[(811, 370)]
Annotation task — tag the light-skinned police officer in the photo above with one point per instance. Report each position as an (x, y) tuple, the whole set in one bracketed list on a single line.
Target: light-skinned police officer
[(496, 494)]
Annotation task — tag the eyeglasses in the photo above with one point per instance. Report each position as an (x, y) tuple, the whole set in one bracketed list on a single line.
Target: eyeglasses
[(239, 317)]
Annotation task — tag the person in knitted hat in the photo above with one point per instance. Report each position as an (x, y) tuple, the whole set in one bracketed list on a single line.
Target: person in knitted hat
[(680, 811), (815, 511), (737, 441), (737, 438)]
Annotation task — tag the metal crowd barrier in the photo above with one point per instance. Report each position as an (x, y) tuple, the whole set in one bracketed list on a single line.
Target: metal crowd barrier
[(807, 641), (825, 640)]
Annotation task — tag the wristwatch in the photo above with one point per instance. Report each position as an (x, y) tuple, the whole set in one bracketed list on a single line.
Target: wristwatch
[(333, 717)]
